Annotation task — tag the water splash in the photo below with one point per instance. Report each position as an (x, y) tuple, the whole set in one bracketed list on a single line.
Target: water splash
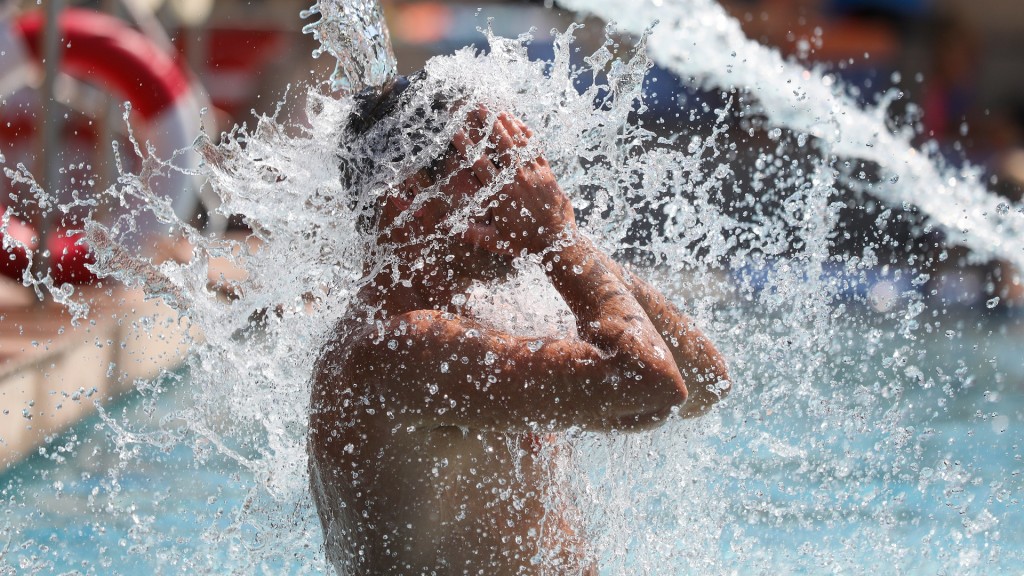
[(717, 53), (354, 32)]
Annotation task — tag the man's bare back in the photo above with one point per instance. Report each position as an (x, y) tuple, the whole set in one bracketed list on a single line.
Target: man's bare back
[(427, 428)]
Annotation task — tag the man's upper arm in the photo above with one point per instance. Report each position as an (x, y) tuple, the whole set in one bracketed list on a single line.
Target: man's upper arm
[(438, 369)]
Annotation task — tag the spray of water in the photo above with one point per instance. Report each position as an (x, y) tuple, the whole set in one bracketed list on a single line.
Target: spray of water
[(355, 34), (844, 447), (698, 39)]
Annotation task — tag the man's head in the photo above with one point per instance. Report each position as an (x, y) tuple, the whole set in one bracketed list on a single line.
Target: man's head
[(403, 122), (388, 127)]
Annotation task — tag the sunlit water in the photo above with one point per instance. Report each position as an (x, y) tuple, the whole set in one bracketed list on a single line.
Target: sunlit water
[(828, 495), (697, 39), (867, 433)]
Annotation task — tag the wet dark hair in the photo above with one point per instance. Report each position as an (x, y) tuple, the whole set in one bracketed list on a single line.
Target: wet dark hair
[(372, 106)]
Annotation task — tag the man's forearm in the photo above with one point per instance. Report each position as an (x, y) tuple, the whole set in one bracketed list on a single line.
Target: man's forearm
[(645, 378), (596, 294), (702, 366)]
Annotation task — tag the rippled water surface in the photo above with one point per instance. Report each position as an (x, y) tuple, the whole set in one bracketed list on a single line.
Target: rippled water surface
[(940, 488)]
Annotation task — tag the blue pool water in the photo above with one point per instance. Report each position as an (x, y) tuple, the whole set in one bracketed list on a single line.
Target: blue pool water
[(82, 504), (85, 505)]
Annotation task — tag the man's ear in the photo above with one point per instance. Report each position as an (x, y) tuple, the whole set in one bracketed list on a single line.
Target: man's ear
[(407, 190), (398, 202), (398, 199)]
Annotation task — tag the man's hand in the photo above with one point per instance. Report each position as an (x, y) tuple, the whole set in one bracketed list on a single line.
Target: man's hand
[(528, 214)]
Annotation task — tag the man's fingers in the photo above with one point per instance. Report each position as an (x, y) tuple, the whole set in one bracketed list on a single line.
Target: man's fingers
[(526, 129), (483, 168), (477, 121), (514, 128), (475, 117), (504, 143), (481, 124), (508, 136), (484, 236), (520, 133)]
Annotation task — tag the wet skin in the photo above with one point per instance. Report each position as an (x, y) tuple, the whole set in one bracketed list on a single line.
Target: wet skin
[(427, 428)]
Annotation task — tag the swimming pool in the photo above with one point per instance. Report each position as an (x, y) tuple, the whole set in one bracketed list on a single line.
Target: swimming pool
[(942, 483)]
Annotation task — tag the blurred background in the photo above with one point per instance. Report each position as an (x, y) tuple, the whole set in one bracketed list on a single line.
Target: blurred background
[(947, 70), (955, 63)]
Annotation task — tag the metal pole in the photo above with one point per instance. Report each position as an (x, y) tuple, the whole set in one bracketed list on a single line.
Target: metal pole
[(51, 138), (108, 132)]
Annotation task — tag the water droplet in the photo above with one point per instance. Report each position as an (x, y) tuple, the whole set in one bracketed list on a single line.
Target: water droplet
[(992, 302)]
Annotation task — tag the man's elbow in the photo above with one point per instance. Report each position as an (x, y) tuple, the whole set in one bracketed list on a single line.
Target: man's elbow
[(642, 422), (670, 395), (666, 394), (717, 380), (645, 394), (708, 388)]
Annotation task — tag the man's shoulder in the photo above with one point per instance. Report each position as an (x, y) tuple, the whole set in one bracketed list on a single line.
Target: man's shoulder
[(356, 342), (336, 352)]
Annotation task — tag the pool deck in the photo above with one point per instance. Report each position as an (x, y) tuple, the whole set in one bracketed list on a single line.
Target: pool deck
[(53, 373)]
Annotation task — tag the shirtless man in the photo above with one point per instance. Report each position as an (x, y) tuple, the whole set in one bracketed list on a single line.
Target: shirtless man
[(425, 424)]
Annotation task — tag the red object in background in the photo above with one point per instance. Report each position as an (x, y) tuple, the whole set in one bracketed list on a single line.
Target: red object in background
[(233, 60), (68, 256), (14, 260), (117, 59), (106, 51)]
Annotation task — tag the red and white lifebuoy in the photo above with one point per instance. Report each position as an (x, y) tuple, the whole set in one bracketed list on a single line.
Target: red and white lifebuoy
[(68, 255), (121, 61)]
